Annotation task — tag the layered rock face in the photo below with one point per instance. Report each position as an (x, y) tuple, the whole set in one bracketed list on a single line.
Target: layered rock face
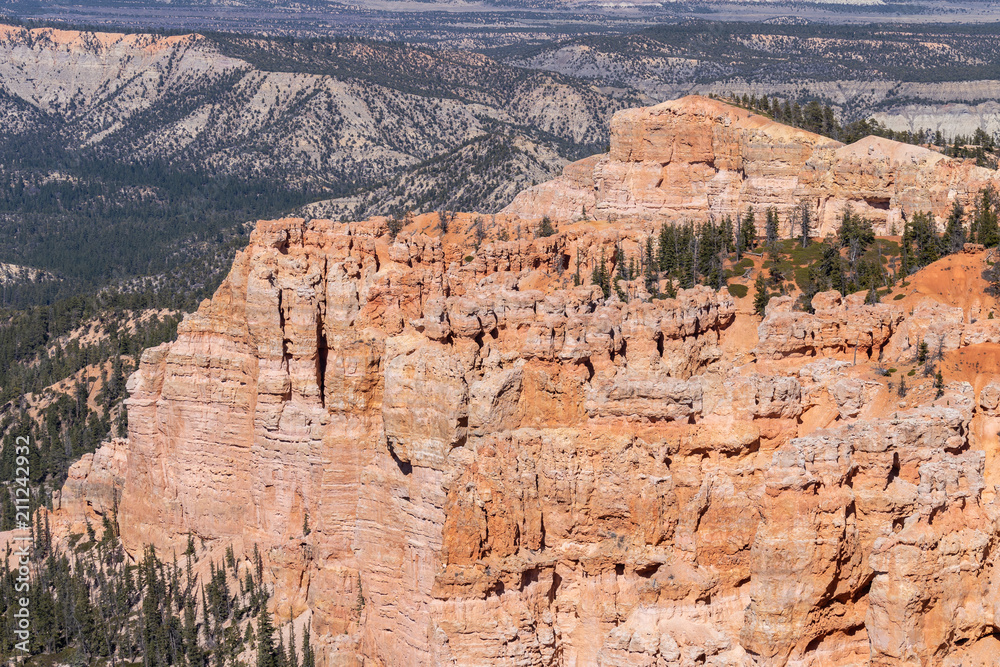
[(695, 158), (500, 468)]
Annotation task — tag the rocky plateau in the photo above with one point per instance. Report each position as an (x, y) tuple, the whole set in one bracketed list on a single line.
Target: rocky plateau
[(502, 468), (696, 159)]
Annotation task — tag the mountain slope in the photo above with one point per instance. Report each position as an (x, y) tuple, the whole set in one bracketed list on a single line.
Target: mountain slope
[(153, 140)]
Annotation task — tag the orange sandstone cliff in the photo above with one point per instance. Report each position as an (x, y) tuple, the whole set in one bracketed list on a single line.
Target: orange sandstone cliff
[(501, 468), (696, 158)]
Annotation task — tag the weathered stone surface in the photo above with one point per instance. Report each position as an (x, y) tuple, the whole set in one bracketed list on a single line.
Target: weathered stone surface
[(837, 327), (509, 469), (93, 486), (695, 157)]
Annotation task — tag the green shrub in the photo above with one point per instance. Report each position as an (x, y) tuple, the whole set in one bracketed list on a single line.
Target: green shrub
[(739, 291), (898, 297)]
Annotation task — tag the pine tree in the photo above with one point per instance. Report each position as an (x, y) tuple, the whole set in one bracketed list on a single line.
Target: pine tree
[(280, 656), (267, 653), (771, 228), (872, 297), (666, 259), (905, 264), (707, 249), (308, 657), (992, 276), (760, 297), (600, 277), (545, 228), (806, 224), (293, 656), (987, 231), (688, 273), (954, 233), (831, 267), (650, 277), (192, 649), (748, 232), (921, 240), (726, 234)]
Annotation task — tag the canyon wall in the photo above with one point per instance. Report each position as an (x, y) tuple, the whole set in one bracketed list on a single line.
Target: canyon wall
[(696, 158), (501, 468), (498, 465)]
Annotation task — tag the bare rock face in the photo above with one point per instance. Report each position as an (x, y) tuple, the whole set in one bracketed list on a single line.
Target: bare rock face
[(941, 328), (93, 485), (692, 158), (838, 325), (501, 468)]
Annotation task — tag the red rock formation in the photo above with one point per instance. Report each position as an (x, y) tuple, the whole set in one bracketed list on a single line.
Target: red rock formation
[(692, 158), (501, 468), (93, 487)]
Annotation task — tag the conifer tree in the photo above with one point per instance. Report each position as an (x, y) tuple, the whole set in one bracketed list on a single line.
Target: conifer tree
[(708, 243), (806, 224), (689, 262), (308, 657), (293, 656), (954, 233), (267, 654), (761, 296), (921, 240), (748, 232), (666, 257), (192, 648), (987, 231), (771, 228), (599, 277), (650, 277), (726, 234)]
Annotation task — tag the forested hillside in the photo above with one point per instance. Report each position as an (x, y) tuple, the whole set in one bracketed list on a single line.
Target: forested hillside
[(126, 152)]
